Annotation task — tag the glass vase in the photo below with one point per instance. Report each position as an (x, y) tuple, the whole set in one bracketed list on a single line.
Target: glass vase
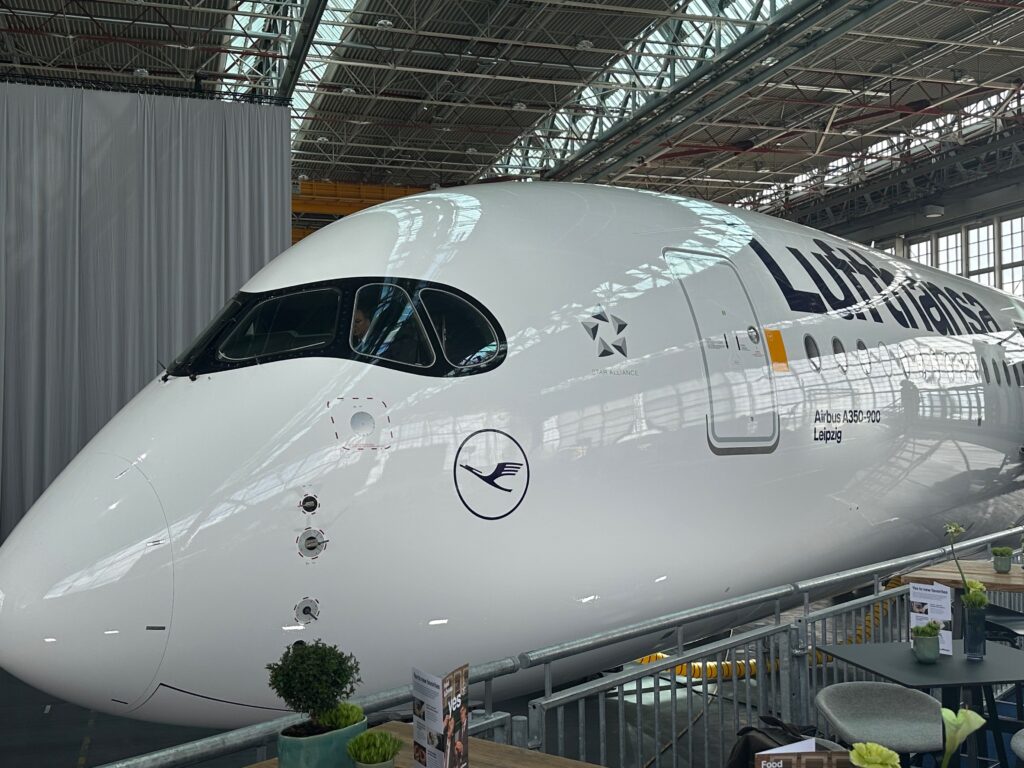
[(974, 633)]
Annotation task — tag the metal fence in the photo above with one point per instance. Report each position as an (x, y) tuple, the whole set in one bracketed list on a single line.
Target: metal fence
[(683, 705)]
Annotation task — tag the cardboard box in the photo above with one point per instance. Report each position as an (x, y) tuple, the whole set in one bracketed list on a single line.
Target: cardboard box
[(821, 759)]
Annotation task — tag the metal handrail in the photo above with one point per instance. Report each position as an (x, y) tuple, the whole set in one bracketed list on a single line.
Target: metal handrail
[(261, 733), (577, 692), (561, 650)]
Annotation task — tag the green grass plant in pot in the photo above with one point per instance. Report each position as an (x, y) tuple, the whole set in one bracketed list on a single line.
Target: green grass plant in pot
[(374, 749), (925, 642), (315, 678), (1001, 559)]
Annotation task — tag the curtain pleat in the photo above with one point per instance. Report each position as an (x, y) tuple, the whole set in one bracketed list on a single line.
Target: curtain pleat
[(126, 220)]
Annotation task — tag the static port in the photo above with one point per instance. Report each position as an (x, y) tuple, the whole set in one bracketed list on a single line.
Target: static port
[(311, 542)]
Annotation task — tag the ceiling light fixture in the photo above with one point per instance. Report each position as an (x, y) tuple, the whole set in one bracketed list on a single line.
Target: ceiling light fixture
[(933, 211), (585, 45), (385, 23), (141, 72), (519, 106), (348, 90)]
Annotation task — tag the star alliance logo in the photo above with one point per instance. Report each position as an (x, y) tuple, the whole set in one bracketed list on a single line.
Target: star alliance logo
[(602, 324)]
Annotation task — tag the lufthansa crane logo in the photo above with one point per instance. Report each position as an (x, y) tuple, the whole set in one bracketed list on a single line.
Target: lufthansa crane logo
[(492, 474), (607, 330)]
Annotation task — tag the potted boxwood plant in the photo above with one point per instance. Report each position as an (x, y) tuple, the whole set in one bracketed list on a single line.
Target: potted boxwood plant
[(314, 678), (374, 749), (925, 642), (1001, 557)]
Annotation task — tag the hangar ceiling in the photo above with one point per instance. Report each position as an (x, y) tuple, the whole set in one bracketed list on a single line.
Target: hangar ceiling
[(813, 109)]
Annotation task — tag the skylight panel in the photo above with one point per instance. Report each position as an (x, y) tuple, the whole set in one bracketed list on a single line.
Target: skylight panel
[(663, 54), (257, 46), (314, 69)]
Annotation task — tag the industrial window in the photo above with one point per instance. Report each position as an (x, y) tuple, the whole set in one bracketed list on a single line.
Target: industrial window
[(467, 339), (840, 352), (296, 321), (1011, 243), (890, 249), (1013, 280), (979, 249), (385, 325), (949, 252), (863, 355), (921, 252), (811, 347)]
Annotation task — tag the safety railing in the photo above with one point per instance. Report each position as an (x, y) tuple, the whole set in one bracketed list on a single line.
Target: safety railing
[(878, 618), (672, 711), (786, 694)]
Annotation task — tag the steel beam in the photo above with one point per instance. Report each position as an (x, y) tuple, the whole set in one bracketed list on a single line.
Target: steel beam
[(628, 155), (311, 16), (743, 47)]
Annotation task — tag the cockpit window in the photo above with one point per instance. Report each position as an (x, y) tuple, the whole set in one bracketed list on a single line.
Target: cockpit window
[(183, 362), (466, 337), (297, 321), (385, 325), (414, 326)]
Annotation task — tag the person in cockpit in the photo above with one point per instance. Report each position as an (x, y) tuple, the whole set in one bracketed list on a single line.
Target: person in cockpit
[(360, 324)]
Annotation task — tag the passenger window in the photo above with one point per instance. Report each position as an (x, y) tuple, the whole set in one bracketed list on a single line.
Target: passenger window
[(886, 358), (298, 321), (840, 352), (863, 355), (811, 347), (984, 370), (1016, 374), (385, 325), (467, 338)]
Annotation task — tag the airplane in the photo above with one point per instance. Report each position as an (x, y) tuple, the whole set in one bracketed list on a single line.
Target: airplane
[(481, 420)]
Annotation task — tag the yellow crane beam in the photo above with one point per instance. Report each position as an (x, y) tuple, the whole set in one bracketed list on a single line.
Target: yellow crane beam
[(341, 199)]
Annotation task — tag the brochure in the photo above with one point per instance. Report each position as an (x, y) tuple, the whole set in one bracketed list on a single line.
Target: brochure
[(440, 717), (933, 602)]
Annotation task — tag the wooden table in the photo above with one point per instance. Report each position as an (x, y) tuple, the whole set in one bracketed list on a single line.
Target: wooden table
[(979, 570), (482, 753)]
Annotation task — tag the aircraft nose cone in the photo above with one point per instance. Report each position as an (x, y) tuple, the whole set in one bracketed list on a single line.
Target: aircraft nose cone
[(86, 584)]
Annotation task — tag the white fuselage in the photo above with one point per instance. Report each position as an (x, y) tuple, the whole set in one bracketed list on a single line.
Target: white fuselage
[(163, 569)]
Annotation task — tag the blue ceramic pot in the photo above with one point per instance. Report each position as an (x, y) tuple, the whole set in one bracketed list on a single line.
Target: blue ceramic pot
[(328, 750)]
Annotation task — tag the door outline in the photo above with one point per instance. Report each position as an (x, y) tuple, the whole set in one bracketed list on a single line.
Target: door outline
[(724, 446)]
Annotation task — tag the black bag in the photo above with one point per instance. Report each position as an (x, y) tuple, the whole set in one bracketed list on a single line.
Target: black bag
[(775, 733)]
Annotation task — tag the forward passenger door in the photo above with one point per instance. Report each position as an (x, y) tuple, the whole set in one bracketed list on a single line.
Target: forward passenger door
[(743, 413)]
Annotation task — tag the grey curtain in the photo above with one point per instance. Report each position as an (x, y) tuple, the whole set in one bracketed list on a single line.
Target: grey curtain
[(126, 220)]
